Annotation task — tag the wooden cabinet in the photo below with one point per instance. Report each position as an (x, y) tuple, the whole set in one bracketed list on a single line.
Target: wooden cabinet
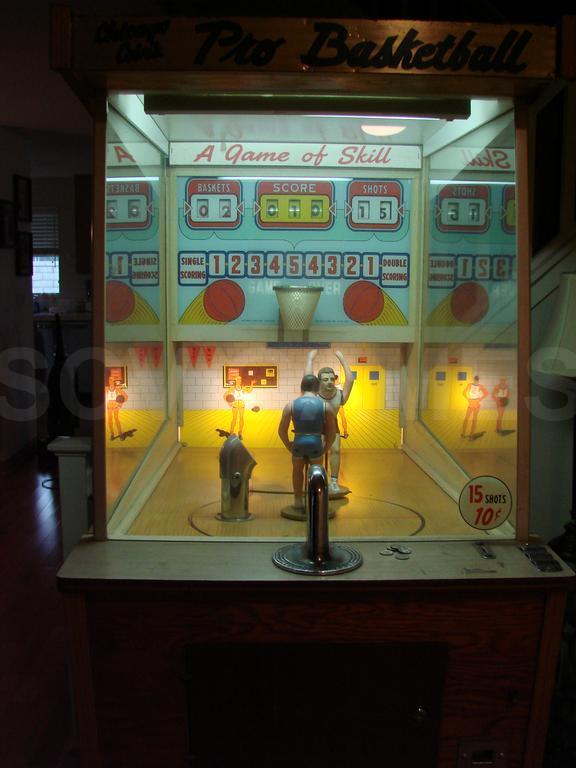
[(201, 672)]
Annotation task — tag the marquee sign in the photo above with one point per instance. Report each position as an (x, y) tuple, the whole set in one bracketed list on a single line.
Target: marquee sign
[(298, 155), (321, 45)]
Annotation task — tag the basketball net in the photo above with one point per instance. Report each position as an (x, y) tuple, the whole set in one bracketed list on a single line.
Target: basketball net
[(297, 305)]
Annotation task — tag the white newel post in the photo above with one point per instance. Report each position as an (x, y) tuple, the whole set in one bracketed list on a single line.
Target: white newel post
[(75, 475)]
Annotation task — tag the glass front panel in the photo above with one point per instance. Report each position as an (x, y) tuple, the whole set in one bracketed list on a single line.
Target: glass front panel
[(384, 265)]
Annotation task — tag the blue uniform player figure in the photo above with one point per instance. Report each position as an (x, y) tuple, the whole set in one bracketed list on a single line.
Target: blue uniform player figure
[(314, 433)]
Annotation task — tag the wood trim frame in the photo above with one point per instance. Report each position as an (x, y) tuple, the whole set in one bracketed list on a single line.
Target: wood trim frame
[(81, 679), (98, 314), (524, 254), (549, 650)]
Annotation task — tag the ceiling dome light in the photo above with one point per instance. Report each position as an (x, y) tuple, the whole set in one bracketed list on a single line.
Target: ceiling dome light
[(383, 130)]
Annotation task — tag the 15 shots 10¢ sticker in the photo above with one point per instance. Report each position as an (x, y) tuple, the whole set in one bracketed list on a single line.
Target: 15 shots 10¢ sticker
[(485, 502)]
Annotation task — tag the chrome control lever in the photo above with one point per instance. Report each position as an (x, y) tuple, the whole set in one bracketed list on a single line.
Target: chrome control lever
[(315, 557)]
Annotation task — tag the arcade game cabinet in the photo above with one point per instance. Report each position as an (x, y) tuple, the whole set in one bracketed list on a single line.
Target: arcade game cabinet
[(275, 197)]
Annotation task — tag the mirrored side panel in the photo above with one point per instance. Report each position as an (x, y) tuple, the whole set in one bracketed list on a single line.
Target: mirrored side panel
[(135, 354), (468, 382)]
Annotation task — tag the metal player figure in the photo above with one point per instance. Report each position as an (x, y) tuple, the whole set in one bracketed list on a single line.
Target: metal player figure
[(335, 398), (314, 428), (236, 396), (501, 396), (116, 396)]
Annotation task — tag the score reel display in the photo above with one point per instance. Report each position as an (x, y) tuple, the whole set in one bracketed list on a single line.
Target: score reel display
[(463, 208), (375, 205), (213, 204), (128, 205), (294, 204)]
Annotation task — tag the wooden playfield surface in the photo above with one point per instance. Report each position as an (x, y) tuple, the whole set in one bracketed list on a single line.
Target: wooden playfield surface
[(391, 497)]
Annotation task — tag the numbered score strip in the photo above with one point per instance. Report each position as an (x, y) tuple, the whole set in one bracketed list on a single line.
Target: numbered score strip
[(446, 269), (391, 270), (485, 502)]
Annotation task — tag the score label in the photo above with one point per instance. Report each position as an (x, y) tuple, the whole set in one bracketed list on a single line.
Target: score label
[(128, 205), (375, 205), (294, 204), (213, 204), (192, 267), (463, 208), (485, 502)]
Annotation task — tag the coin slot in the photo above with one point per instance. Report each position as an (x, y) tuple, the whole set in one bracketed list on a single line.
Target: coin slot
[(483, 757)]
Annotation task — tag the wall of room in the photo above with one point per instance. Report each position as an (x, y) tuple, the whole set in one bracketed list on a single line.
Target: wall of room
[(17, 388)]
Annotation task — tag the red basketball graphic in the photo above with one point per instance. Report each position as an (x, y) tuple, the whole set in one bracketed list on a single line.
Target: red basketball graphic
[(224, 301), (363, 301), (120, 300), (469, 302)]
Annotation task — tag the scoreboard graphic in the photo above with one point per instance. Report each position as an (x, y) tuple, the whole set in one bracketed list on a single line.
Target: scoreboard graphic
[(351, 238), (463, 208), (375, 205), (471, 269), (132, 253), (213, 204), (128, 205)]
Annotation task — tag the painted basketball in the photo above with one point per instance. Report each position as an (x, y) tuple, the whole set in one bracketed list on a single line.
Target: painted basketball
[(230, 397), (224, 301), (120, 301), (469, 302), (363, 301)]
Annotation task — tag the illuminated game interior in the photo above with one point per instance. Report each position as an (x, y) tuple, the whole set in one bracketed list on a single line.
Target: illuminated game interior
[(408, 226)]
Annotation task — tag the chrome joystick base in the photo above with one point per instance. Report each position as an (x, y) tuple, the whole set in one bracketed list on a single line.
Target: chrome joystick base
[(295, 559)]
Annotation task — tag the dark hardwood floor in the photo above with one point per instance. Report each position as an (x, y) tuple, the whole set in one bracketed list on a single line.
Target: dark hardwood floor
[(36, 724)]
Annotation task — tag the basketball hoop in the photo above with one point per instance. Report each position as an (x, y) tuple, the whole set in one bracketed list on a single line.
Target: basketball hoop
[(297, 305)]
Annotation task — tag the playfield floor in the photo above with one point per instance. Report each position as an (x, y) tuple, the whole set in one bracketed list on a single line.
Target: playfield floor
[(390, 495)]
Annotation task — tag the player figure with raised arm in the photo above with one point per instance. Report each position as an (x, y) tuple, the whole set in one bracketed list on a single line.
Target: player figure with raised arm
[(334, 398), (237, 396)]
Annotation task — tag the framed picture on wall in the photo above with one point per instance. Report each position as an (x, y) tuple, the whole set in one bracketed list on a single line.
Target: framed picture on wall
[(119, 373), (6, 224), (23, 198), (24, 254)]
